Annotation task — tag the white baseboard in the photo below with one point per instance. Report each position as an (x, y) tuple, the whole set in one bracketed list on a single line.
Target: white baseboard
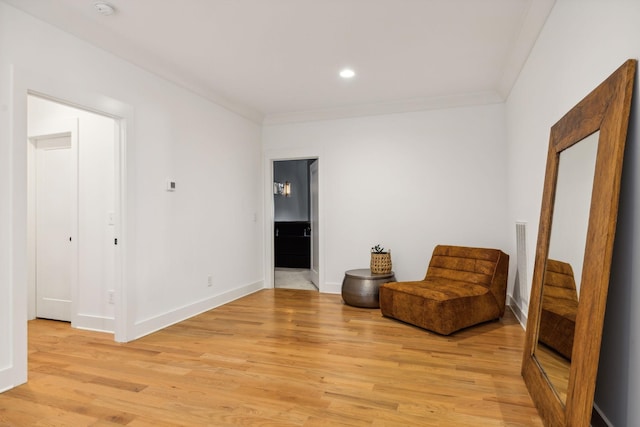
[(600, 420), (517, 311), (8, 378), (331, 288), (153, 324), (95, 323)]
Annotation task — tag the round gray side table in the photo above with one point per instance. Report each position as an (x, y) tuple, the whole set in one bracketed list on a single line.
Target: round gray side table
[(360, 287)]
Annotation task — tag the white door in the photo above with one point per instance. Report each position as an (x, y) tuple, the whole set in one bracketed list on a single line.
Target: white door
[(313, 197), (54, 180)]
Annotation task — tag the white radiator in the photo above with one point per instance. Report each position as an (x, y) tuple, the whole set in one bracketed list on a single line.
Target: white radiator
[(521, 249)]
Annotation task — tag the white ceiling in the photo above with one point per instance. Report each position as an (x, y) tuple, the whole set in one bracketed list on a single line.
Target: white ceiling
[(278, 60)]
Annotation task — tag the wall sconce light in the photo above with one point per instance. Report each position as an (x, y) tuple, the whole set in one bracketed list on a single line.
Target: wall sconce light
[(282, 189)]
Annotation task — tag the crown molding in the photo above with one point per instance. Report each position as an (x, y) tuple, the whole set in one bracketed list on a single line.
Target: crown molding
[(373, 109)]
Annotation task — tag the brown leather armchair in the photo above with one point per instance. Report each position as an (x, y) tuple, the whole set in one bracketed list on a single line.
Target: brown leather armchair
[(463, 287)]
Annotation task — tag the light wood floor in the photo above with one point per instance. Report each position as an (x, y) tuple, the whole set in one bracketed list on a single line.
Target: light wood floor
[(275, 358)]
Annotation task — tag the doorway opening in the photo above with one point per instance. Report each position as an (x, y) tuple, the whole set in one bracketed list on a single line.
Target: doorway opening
[(295, 247), (72, 214)]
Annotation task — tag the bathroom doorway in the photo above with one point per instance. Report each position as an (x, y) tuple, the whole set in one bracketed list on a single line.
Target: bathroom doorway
[(295, 193)]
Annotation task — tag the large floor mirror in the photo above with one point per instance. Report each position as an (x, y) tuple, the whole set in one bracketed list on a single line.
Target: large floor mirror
[(574, 248)]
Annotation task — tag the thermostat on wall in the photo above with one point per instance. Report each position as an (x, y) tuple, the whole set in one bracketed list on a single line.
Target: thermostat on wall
[(171, 185)]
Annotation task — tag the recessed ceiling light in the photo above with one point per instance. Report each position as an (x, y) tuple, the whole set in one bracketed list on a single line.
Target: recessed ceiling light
[(347, 73), (104, 8)]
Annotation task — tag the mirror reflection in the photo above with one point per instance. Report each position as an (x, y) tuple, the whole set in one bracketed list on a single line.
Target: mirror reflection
[(561, 286)]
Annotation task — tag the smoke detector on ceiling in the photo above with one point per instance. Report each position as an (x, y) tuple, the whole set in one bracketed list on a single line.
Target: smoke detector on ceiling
[(104, 8)]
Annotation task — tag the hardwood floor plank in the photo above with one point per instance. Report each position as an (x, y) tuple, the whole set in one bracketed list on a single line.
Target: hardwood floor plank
[(275, 358)]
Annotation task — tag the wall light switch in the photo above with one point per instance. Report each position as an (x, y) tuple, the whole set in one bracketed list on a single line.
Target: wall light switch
[(171, 185), (111, 218)]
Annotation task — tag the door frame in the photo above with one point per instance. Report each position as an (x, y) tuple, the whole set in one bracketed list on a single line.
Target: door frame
[(58, 128), (271, 156), (314, 213), (78, 94), (122, 115)]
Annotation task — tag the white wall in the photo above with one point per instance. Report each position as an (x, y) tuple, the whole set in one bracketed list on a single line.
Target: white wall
[(583, 42), (407, 181), (96, 186), (171, 242)]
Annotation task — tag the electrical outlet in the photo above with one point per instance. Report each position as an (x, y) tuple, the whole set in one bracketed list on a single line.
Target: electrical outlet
[(112, 297), (209, 281)]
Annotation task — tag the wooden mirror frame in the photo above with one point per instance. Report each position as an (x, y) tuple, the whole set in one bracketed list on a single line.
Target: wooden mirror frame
[(605, 109)]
